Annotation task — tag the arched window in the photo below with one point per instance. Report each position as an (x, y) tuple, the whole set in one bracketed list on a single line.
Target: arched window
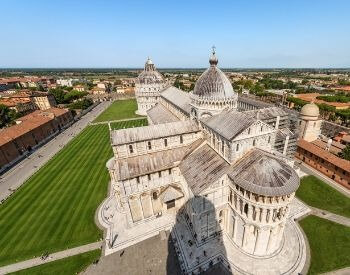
[(249, 131), (149, 145), (269, 139), (220, 213), (131, 149), (237, 147), (261, 128), (246, 209), (254, 142), (181, 139), (155, 195), (165, 142)]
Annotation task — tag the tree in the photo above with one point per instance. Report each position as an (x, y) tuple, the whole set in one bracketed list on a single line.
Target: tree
[(73, 95), (6, 115), (345, 154), (58, 94)]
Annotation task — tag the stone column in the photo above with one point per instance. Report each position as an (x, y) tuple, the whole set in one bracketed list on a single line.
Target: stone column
[(257, 240), (245, 235), (250, 212)]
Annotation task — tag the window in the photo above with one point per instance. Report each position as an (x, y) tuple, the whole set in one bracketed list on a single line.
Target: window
[(169, 171), (223, 147), (254, 142), (165, 142), (181, 139), (170, 204), (138, 179), (149, 145), (160, 174), (249, 131), (149, 176), (154, 195), (131, 149), (269, 139), (261, 128), (237, 147), (246, 209)]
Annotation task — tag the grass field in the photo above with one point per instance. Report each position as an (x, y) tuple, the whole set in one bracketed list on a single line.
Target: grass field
[(121, 109), (68, 266), (129, 124), (329, 244), (317, 193), (55, 209)]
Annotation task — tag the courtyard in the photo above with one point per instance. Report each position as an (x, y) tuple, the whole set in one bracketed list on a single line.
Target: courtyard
[(119, 110)]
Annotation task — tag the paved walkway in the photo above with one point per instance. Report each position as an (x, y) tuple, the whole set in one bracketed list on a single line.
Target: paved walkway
[(118, 120), (343, 271), (52, 257), (330, 216), (18, 174)]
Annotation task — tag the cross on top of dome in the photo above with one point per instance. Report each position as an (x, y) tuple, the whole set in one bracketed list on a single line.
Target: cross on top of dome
[(213, 60)]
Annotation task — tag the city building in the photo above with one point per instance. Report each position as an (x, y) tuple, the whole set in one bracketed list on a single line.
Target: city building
[(29, 132), (39, 100), (211, 166), (79, 88), (315, 152), (147, 87)]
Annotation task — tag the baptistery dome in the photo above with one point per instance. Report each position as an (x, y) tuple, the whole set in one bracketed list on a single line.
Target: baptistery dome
[(149, 75), (148, 85), (213, 82)]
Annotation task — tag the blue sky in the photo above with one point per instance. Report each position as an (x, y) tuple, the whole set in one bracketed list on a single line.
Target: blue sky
[(309, 33)]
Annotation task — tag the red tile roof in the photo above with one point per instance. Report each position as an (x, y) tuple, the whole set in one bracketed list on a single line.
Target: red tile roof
[(323, 154), (28, 123)]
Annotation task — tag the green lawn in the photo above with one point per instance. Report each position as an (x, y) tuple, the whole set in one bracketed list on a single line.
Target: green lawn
[(67, 266), (329, 244), (129, 124), (55, 209), (121, 109), (316, 193)]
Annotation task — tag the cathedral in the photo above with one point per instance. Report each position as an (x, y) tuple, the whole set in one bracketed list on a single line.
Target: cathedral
[(220, 163)]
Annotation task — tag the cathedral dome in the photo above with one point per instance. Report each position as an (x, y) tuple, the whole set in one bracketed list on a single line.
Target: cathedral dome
[(213, 83), (310, 110), (149, 75)]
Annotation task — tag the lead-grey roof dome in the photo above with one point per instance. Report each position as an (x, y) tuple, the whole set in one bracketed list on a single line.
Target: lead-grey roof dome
[(150, 75), (213, 82)]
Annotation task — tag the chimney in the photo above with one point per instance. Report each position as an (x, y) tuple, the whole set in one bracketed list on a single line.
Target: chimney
[(328, 145)]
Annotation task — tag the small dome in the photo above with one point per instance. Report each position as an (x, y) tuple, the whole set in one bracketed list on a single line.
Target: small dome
[(213, 82), (150, 75), (310, 110), (149, 61)]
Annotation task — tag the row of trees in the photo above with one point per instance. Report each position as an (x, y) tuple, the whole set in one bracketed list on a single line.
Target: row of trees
[(340, 97), (65, 97)]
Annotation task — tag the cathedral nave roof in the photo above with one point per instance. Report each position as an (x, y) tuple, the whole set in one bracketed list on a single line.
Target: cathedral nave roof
[(159, 114), (202, 168), (178, 98), (229, 123), (132, 167), (130, 135)]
